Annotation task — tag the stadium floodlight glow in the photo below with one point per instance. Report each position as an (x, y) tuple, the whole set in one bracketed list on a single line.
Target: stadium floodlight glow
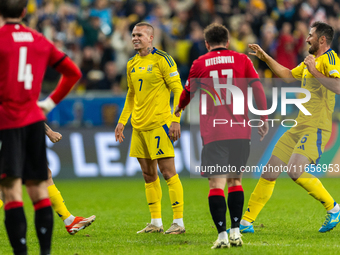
[(238, 100)]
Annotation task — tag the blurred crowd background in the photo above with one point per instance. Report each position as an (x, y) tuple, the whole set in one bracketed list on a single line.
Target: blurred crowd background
[(96, 34)]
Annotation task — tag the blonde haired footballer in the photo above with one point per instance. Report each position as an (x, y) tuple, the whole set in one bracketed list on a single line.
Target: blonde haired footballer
[(152, 74), (303, 144)]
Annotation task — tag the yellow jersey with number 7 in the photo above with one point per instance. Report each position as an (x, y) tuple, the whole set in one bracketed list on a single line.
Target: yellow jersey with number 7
[(150, 79)]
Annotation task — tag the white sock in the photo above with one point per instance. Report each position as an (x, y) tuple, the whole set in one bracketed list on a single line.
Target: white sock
[(234, 231), (245, 223), (335, 209), (157, 222), (179, 222), (69, 220), (223, 236)]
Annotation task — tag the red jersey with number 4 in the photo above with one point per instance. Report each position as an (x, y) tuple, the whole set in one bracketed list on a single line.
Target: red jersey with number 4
[(218, 120), (24, 57)]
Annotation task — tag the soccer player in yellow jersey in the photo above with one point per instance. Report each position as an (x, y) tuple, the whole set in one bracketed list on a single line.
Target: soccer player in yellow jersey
[(303, 144), (151, 75), (73, 224)]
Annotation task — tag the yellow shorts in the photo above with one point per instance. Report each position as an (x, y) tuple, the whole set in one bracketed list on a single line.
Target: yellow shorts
[(152, 144), (307, 141)]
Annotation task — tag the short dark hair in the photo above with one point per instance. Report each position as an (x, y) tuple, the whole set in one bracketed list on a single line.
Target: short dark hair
[(12, 8), (216, 34), (143, 24), (323, 29)]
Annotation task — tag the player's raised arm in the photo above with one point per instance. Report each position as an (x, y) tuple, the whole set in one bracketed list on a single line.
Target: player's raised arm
[(328, 72), (70, 75), (284, 73), (333, 81)]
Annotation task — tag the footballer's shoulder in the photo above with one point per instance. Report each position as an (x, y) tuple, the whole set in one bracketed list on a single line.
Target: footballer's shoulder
[(34, 32), (240, 57), (163, 56), (237, 54), (329, 57), (159, 52), (20, 33), (132, 59), (203, 57)]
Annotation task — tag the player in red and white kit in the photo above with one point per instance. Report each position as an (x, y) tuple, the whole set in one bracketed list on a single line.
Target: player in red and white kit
[(226, 136), (25, 55)]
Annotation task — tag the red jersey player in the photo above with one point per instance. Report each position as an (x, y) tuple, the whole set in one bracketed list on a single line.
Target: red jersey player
[(25, 55), (226, 136)]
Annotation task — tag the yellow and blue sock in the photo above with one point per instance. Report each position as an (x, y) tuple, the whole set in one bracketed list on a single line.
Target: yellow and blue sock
[(153, 192), (176, 198), (258, 199), (315, 188), (58, 203)]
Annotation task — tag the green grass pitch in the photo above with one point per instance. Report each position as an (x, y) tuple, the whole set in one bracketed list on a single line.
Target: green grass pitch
[(288, 224)]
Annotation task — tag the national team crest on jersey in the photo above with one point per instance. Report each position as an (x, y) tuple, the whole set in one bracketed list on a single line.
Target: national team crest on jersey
[(149, 69)]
